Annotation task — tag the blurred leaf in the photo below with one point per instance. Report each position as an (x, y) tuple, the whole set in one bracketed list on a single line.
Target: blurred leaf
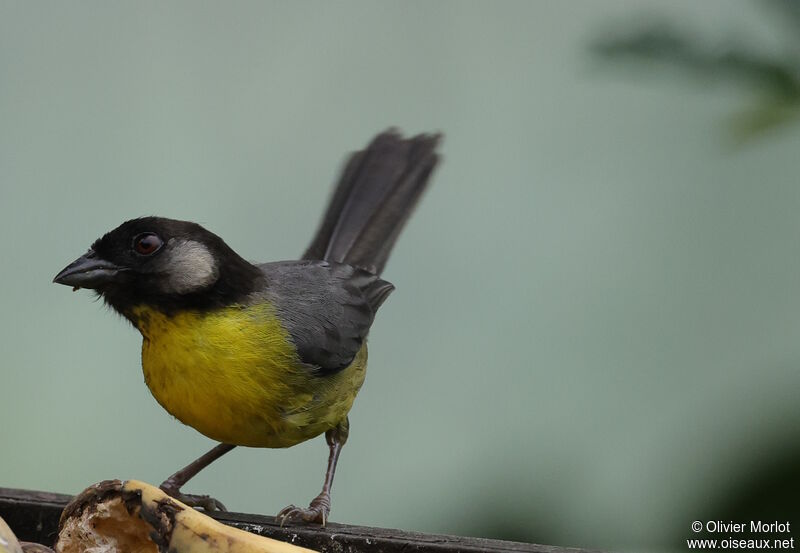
[(658, 43), (767, 492), (777, 80), (789, 12), (757, 122)]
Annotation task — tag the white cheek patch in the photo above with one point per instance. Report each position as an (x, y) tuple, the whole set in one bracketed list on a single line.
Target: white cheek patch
[(191, 267)]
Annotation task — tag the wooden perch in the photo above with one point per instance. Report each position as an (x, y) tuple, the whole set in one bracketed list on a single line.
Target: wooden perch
[(33, 516)]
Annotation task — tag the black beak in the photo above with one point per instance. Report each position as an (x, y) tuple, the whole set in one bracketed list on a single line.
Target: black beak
[(89, 271)]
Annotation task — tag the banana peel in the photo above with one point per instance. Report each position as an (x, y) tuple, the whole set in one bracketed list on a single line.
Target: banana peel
[(134, 517)]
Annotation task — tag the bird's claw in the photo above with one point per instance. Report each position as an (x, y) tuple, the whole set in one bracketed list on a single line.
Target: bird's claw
[(205, 502), (317, 511)]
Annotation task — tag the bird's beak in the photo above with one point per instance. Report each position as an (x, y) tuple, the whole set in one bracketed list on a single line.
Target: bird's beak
[(89, 271)]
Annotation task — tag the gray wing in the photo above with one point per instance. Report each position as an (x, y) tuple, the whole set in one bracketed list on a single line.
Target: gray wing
[(327, 308)]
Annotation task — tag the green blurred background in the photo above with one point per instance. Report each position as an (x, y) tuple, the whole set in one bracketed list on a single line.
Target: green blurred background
[(595, 337)]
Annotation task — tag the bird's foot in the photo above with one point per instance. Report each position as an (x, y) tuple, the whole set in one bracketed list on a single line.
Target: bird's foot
[(205, 502), (317, 511)]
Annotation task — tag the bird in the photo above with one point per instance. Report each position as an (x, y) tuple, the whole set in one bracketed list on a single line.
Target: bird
[(264, 355)]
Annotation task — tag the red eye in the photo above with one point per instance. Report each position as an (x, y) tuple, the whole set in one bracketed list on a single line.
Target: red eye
[(147, 243)]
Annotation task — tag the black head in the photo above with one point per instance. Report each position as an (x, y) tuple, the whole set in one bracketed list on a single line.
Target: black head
[(163, 263)]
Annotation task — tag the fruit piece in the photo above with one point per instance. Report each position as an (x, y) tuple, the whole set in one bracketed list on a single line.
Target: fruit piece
[(29, 547), (8, 541), (134, 517)]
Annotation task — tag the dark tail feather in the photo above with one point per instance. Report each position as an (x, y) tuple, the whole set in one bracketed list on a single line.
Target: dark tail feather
[(377, 192)]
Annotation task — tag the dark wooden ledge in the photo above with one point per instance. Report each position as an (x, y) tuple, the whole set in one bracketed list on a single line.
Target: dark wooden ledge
[(33, 516)]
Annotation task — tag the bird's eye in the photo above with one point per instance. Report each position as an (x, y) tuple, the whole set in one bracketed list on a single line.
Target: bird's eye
[(147, 243)]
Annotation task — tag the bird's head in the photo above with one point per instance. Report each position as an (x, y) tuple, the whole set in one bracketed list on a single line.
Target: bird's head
[(163, 263)]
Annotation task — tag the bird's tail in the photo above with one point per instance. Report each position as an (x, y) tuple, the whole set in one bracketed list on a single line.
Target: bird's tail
[(375, 195)]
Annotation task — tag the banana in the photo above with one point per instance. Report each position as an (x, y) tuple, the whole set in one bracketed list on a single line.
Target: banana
[(28, 547), (8, 541), (10, 544), (134, 517)]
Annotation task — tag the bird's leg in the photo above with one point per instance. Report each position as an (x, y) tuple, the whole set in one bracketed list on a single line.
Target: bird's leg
[(320, 506), (172, 485)]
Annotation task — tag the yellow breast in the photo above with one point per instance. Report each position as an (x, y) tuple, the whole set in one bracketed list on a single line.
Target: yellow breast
[(234, 375)]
